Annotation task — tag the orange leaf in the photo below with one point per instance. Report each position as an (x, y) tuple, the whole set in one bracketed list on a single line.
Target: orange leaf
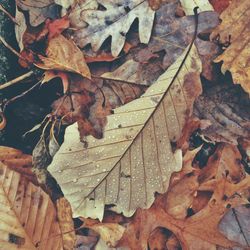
[(64, 55)]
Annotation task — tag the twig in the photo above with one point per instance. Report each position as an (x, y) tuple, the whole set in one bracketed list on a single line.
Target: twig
[(16, 80), (19, 96), (11, 49), (13, 19)]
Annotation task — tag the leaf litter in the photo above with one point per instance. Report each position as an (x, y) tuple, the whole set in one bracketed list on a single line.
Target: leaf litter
[(114, 93)]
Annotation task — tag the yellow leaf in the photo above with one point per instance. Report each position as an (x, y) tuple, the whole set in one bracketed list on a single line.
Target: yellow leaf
[(235, 32), (64, 55), (135, 158)]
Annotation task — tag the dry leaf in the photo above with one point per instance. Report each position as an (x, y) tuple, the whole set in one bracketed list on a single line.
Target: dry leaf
[(64, 214), (114, 21), (225, 109), (64, 55), (191, 232), (170, 36), (110, 233), (17, 161), (235, 225), (234, 32), (20, 28), (189, 5), (181, 195), (28, 217), (39, 11), (136, 138), (220, 5)]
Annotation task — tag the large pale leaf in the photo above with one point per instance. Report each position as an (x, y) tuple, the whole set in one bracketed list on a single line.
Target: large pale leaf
[(95, 26), (234, 31), (134, 159), (28, 217)]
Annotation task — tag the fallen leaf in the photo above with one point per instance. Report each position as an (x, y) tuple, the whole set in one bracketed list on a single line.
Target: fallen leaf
[(170, 36), (20, 28), (114, 21), (28, 215), (135, 131), (110, 233), (57, 26), (189, 5), (181, 195), (17, 161), (233, 33), (65, 3), (64, 55), (225, 108), (225, 161), (191, 232), (220, 5), (39, 11), (66, 224), (158, 239), (235, 225)]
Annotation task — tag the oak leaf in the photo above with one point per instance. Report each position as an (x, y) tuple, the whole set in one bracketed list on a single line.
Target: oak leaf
[(28, 215), (191, 232), (64, 55), (115, 21), (170, 36), (233, 33), (136, 149)]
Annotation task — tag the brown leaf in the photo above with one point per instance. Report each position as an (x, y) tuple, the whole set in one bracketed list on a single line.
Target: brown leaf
[(233, 33), (226, 107), (64, 55), (28, 215), (64, 214), (181, 195), (191, 232), (39, 11)]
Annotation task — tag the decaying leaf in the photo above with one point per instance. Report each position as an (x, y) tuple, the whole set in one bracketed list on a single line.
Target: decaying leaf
[(135, 158), (170, 36), (20, 28), (17, 161), (191, 232), (39, 11), (94, 26), (233, 33), (220, 5), (189, 5), (64, 214), (224, 110), (110, 233), (235, 225), (28, 217), (64, 55)]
